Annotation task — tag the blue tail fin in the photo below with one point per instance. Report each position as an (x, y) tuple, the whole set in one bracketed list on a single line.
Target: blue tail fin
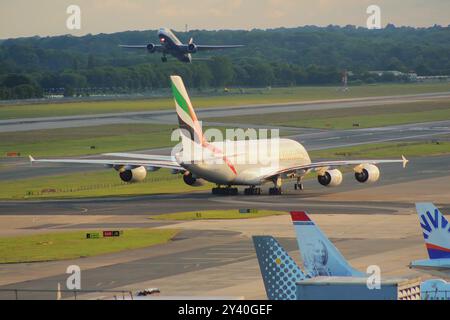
[(320, 256), (436, 230), (279, 271)]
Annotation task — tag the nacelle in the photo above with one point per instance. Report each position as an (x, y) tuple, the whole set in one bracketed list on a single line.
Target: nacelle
[(367, 173), (151, 48), (192, 48), (133, 175), (190, 180), (330, 178)]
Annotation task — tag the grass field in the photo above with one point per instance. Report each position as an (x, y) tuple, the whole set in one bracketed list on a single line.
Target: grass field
[(254, 96), (78, 141), (72, 245), (94, 184), (366, 117), (386, 150), (215, 214), (68, 142)]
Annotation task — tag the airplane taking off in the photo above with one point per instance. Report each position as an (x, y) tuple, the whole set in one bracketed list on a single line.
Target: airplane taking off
[(436, 232), (170, 44), (218, 162)]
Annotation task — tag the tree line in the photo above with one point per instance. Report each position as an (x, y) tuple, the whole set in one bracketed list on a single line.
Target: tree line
[(29, 67)]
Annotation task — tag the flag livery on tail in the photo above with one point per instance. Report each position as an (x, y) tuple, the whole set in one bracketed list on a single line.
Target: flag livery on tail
[(320, 256)]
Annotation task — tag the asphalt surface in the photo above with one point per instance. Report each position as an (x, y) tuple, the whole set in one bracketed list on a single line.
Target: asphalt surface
[(162, 265), (312, 140), (208, 249), (418, 168), (169, 116)]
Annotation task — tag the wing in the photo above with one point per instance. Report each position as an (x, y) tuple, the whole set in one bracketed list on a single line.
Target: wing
[(334, 164), (168, 164), (156, 47), (141, 156), (209, 48)]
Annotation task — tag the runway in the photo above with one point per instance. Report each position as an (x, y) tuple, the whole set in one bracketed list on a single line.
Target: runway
[(317, 140), (169, 116), (418, 169)]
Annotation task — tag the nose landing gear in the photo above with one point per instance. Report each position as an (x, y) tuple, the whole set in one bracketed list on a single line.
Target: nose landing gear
[(299, 184)]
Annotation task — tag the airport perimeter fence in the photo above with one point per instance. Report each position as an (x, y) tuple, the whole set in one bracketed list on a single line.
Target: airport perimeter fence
[(41, 294), (98, 186)]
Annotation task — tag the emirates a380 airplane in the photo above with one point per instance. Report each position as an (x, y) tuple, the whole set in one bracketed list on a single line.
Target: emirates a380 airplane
[(232, 163)]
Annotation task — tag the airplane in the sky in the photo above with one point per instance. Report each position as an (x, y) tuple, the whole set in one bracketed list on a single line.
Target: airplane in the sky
[(170, 44), (436, 232), (231, 163)]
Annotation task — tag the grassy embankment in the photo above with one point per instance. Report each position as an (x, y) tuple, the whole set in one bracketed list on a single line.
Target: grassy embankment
[(73, 244), (252, 96)]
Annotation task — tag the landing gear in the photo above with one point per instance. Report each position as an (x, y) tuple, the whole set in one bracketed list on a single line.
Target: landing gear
[(228, 191), (252, 191), (276, 190), (164, 59), (299, 184)]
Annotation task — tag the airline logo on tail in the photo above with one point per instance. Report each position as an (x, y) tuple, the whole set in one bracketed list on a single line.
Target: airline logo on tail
[(188, 122), (436, 230), (187, 118)]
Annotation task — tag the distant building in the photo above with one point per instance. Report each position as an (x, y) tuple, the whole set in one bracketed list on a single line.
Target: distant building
[(411, 76), (433, 78)]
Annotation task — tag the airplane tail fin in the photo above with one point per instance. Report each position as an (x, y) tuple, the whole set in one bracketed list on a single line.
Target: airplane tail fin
[(436, 230), (187, 119), (279, 271), (320, 256)]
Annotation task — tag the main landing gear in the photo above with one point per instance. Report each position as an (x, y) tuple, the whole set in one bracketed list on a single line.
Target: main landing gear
[(252, 191), (228, 191), (276, 190)]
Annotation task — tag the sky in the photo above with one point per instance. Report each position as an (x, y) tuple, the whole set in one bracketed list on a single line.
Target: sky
[(20, 18)]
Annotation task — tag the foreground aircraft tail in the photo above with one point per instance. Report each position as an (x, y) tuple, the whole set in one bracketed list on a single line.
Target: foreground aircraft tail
[(187, 119), (320, 256), (279, 271), (436, 230)]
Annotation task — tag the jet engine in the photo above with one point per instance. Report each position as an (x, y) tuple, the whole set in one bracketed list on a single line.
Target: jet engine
[(190, 180), (330, 178), (367, 173), (151, 48), (192, 48), (133, 175)]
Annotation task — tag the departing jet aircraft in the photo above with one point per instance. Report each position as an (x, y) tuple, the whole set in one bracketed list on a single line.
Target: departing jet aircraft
[(231, 163), (436, 232), (170, 44)]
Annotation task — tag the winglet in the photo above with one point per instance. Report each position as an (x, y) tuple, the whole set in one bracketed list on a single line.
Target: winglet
[(31, 159), (405, 161)]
